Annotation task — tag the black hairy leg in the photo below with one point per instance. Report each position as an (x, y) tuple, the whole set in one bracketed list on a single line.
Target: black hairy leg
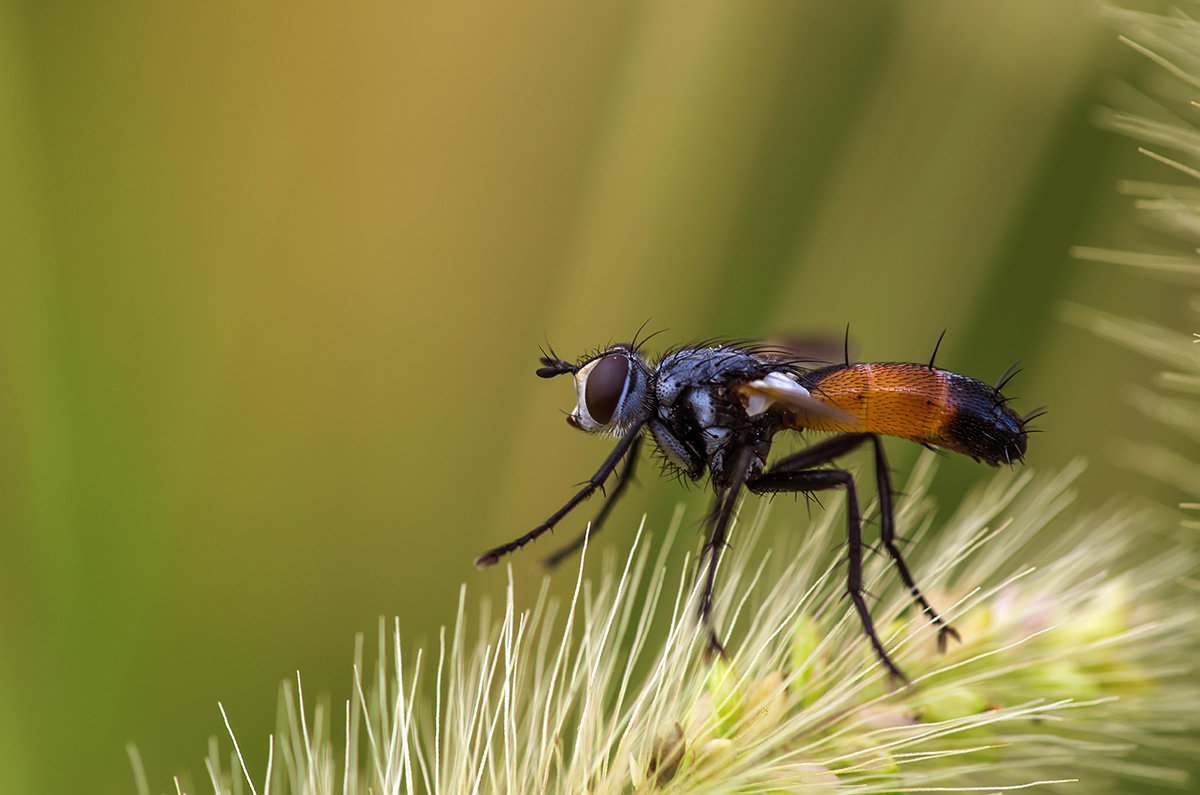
[(721, 517), (493, 555), (776, 482), (623, 478), (825, 452)]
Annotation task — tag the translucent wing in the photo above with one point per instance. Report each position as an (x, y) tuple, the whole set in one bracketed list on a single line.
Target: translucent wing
[(814, 348)]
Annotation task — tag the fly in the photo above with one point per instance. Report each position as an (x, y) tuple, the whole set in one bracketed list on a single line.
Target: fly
[(715, 408)]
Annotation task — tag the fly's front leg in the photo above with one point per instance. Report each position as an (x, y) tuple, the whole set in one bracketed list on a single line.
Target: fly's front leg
[(623, 478), (775, 481), (493, 555)]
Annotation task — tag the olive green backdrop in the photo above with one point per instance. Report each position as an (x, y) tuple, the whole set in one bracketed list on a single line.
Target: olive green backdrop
[(273, 277)]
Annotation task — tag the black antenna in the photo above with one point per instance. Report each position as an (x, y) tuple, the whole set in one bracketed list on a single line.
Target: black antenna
[(551, 364)]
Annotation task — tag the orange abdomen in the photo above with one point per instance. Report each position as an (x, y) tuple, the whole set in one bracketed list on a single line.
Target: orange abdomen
[(917, 402)]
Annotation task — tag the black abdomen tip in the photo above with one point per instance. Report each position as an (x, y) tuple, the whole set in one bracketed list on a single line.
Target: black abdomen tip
[(983, 426)]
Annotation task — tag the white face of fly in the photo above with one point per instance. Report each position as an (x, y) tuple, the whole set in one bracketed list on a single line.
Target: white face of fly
[(606, 392)]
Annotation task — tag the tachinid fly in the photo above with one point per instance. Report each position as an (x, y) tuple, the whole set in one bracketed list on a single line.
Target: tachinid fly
[(715, 408)]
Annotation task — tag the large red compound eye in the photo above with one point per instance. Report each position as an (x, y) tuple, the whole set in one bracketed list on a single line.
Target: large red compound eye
[(605, 385)]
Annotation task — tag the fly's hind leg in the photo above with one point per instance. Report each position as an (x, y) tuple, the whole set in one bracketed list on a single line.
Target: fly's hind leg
[(887, 534), (776, 481), (825, 452)]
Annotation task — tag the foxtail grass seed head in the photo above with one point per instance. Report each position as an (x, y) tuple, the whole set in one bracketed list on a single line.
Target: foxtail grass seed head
[(1075, 663)]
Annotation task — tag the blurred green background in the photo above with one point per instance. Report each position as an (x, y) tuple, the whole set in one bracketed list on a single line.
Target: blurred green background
[(273, 277)]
